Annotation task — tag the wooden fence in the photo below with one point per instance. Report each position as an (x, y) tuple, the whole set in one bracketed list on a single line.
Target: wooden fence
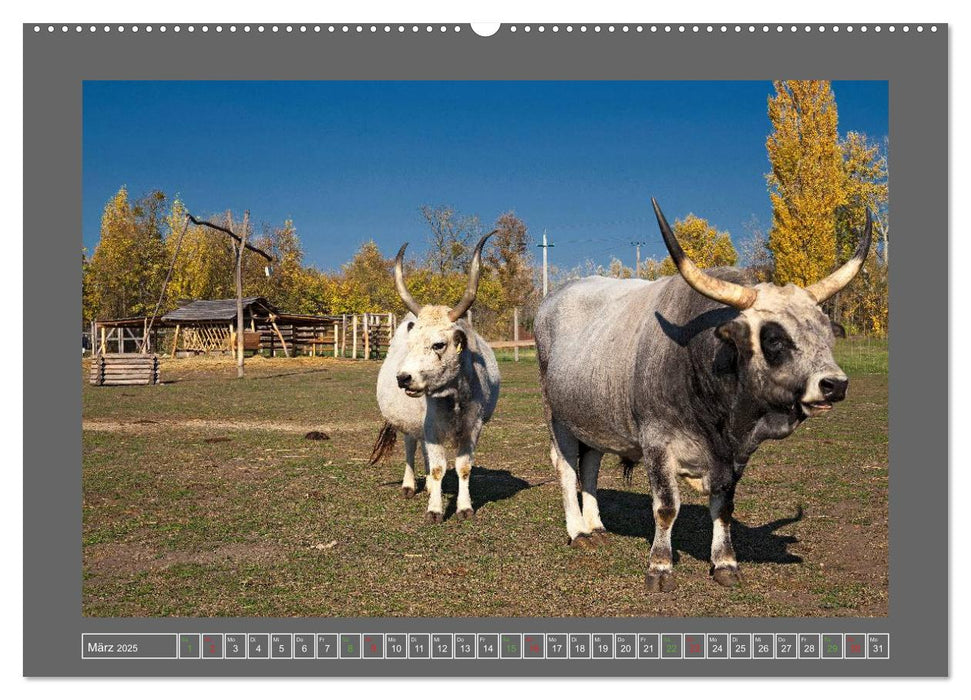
[(355, 336)]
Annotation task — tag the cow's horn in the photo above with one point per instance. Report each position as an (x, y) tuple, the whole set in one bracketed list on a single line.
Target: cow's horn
[(474, 270), (736, 295), (399, 283), (827, 287)]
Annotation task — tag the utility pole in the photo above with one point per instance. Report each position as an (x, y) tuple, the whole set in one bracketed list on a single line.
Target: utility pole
[(544, 245), (637, 264)]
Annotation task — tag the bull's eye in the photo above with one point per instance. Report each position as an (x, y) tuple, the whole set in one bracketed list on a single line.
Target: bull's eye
[(439, 346), (776, 344)]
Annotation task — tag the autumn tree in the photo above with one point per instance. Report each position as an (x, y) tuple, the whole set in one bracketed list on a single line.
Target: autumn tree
[(704, 244), (450, 238), (821, 187), (205, 262), (124, 274), (508, 254), (807, 180), (286, 285), (651, 269), (863, 307), (755, 252), (865, 185), (617, 269), (367, 284)]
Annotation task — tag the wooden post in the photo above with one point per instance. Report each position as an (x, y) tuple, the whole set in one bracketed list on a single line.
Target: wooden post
[(104, 342), (286, 353), (336, 338), (121, 340), (175, 341), (515, 332), (232, 341), (354, 346), (343, 335), (145, 339), (367, 336)]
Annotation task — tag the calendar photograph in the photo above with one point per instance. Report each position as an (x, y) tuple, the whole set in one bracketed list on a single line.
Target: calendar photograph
[(485, 349)]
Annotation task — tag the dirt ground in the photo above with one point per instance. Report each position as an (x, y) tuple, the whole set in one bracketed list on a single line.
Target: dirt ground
[(203, 497)]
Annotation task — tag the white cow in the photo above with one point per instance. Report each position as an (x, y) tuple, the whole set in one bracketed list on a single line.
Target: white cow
[(438, 386)]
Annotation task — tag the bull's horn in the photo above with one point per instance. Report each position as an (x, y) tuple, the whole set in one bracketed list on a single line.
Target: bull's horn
[(827, 287), (736, 295), (466, 301), (399, 283)]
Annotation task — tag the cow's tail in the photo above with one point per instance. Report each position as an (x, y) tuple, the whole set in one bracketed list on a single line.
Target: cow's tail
[(384, 444), (628, 466)]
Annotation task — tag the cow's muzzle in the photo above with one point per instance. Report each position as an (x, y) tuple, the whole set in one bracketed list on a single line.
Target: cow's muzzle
[(829, 390), (406, 381)]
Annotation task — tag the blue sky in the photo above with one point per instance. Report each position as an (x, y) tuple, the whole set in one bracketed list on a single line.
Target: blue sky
[(353, 161)]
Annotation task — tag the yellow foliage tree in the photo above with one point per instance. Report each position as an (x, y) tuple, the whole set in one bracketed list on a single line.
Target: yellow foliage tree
[(702, 243), (366, 283), (807, 181), (865, 183), (204, 267), (124, 274)]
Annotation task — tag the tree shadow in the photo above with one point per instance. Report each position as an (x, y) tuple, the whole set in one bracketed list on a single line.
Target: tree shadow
[(630, 514)]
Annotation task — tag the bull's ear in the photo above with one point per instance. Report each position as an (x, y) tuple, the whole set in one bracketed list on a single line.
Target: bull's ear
[(735, 331), (460, 340)]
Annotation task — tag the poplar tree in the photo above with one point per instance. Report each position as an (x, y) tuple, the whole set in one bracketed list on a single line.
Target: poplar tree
[(807, 181)]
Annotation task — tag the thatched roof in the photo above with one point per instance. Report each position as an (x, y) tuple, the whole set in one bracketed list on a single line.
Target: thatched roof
[(211, 310)]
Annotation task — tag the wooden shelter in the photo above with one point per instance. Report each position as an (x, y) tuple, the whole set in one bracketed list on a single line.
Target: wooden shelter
[(209, 325)]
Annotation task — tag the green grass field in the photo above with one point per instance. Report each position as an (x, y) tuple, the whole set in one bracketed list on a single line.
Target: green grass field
[(202, 497)]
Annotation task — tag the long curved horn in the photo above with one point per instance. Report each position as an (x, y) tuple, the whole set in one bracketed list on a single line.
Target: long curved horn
[(736, 295), (828, 286), (466, 301), (399, 283)]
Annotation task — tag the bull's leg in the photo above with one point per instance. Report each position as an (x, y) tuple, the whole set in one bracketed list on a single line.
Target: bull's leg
[(666, 502), (424, 455), (721, 503), (463, 468), (589, 471), (564, 448), (408, 482), (435, 467)]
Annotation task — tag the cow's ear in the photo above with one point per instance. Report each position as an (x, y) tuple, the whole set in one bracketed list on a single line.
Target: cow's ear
[(838, 329), (735, 332), (460, 340)]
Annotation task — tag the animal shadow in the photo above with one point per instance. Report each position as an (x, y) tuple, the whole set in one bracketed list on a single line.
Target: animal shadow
[(629, 514), (485, 486)]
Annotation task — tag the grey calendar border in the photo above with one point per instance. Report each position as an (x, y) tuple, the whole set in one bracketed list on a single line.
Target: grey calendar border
[(915, 64)]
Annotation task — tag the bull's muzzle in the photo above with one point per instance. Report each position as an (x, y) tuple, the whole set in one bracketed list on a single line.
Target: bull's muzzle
[(828, 390), (833, 388)]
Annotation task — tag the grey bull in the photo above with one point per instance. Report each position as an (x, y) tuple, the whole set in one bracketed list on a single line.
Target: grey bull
[(689, 373), (438, 386)]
